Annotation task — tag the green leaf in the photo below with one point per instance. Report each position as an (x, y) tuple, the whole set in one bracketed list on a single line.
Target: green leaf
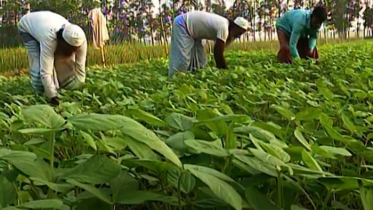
[(307, 114), (123, 183), (146, 117), (366, 194), (58, 187), (128, 127), (157, 166), (258, 201), (177, 141), (139, 197), (8, 193), (296, 207), (325, 120), (337, 151), (93, 204), (180, 122), (96, 170), (258, 165), (141, 150), (220, 188), (310, 162), (209, 171), (39, 130), (348, 124), (334, 134), (302, 140), (44, 115), (211, 148), (267, 158), (43, 204), (276, 151), (284, 112), (91, 189), (187, 181), (88, 138)]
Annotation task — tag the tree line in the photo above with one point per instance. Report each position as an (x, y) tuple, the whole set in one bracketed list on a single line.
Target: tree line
[(141, 21)]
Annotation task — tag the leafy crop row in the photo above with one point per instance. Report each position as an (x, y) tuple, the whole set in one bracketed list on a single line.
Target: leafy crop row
[(261, 136)]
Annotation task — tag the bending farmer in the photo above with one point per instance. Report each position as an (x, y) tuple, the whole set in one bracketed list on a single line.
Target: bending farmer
[(297, 32), (187, 52), (57, 52)]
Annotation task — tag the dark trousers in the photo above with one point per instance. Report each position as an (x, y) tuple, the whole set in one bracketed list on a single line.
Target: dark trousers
[(303, 48)]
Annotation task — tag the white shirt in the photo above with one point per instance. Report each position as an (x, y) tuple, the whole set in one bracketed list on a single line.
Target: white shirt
[(43, 26), (205, 25)]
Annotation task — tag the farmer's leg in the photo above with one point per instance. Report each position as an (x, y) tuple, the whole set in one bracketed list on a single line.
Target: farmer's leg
[(199, 59), (283, 56), (181, 48), (33, 51)]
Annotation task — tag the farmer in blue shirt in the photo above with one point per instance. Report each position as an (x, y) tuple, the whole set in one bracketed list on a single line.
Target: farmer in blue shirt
[(297, 32)]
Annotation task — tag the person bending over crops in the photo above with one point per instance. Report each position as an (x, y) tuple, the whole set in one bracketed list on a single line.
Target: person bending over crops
[(188, 31), (56, 50), (297, 32)]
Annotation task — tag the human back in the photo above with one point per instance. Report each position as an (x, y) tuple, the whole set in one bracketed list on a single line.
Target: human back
[(41, 24), (287, 21), (205, 25)]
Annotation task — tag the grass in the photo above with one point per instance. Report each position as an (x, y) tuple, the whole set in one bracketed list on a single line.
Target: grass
[(14, 60)]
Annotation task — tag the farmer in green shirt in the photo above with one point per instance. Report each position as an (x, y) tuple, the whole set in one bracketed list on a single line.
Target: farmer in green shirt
[(297, 32)]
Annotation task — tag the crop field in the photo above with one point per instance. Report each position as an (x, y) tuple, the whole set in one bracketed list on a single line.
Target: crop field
[(259, 136)]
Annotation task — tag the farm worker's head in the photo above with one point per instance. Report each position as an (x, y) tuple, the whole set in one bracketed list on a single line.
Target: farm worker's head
[(318, 16), (70, 38), (238, 27)]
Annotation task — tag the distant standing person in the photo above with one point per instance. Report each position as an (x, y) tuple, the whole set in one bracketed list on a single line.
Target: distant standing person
[(188, 31), (297, 32), (57, 52)]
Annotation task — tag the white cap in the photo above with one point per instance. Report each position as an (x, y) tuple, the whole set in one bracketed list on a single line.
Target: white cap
[(242, 23), (73, 35)]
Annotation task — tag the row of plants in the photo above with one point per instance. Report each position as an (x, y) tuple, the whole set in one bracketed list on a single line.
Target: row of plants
[(259, 136), (15, 59)]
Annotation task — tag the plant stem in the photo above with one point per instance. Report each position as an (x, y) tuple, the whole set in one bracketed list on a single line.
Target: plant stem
[(326, 200), (179, 191), (51, 159), (279, 189)]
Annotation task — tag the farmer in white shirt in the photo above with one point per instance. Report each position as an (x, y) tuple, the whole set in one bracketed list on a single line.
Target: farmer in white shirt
[(188, 31), (57, 52)]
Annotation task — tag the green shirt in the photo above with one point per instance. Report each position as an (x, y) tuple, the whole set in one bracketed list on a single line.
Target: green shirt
[(296, 24)]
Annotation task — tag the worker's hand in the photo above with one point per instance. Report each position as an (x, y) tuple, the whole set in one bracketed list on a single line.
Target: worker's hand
[(54, 101)]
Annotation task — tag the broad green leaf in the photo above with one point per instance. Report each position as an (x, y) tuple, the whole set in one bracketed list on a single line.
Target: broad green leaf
[(96, 170), (344, 183), (220, 188), (336, 151), (284, 112), (320, 151), (226, 118), (176, 141), (180, 122), (34, 141), (309, 113), (256, 132), (123, 183), (88, 138), (257, 142), (366, 194), (258, 201), (230, 137), (267, 158), (296, 207), (39, 130), (209, 171), (8, 193), (348, 124), (154, 165), (146, 117), (258, 165), (325, 120), (141, 150), (334, 134), (43, 204), (187, 181), (302, 140), (219, 127), (90, 189), (44, 115), (276, 151), (58, 187), (326, 92), (211, 148), (128, 127), (270, 127), (310, 162), (139, 197)]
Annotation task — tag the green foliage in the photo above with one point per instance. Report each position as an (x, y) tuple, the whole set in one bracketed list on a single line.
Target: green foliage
[(258, 136)]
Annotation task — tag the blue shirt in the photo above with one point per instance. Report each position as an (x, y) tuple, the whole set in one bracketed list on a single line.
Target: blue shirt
[(296, 24)]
